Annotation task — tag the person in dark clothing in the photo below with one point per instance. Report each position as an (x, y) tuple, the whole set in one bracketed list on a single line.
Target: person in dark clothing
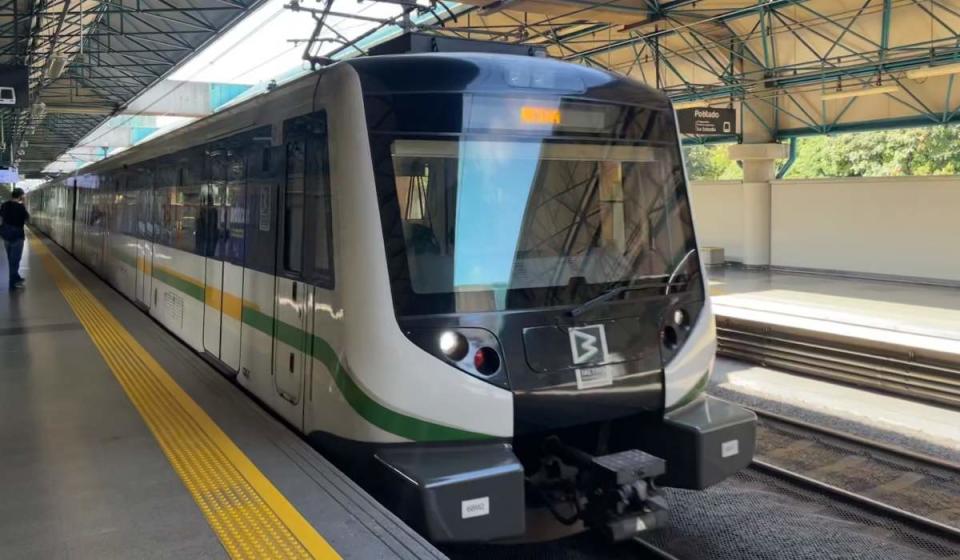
[(13, 216)]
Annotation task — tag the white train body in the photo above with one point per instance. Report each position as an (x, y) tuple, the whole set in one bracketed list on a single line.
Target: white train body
[(261, 237)]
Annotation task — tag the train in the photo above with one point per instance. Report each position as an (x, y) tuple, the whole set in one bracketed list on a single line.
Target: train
[(469, 278)]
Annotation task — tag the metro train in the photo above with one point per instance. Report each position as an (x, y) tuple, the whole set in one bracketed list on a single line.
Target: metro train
[(470, 279)]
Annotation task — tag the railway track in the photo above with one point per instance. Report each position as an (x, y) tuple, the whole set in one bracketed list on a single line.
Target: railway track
[(899, 474), (653, 551), (923, 374)]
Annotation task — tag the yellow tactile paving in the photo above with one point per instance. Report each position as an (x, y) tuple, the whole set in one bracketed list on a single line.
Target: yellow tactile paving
[(249, 515)]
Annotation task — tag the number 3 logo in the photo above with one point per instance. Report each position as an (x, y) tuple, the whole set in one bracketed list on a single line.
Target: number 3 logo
[(588, 344)]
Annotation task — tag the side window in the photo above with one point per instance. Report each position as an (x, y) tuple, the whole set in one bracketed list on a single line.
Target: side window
[(186, 203), (235, 208), (166, 195), (319, 205), (293, 206), (307, 216), (187, 209), (262, 180)]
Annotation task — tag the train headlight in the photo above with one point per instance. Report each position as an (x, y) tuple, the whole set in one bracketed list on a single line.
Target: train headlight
[(680, 318), (473, 350), (453, 345)]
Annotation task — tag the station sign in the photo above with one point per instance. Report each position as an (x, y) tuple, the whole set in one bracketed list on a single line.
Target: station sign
[(705, 121), (14, 89)]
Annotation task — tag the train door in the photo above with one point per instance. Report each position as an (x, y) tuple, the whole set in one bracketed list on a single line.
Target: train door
[(71, 216), (143, 289), (223, 311), (210, 225), (292, 292), (234, 210)]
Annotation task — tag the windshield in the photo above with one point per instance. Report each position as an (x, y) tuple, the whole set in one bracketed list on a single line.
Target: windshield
[(566, 200)]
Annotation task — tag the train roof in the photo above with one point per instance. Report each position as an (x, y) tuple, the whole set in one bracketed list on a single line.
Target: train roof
[(474, 72), (438, 72)]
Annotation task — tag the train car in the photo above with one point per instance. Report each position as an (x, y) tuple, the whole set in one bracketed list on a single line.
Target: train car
[(470, 279)]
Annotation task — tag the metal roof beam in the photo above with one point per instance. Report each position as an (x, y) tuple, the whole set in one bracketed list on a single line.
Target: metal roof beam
[(729, 16)]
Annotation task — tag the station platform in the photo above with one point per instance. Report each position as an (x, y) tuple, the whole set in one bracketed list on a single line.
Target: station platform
[(119, 442), (898, 338), (898, 312)]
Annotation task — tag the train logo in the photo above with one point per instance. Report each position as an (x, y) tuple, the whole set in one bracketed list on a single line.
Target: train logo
[(588, 345)]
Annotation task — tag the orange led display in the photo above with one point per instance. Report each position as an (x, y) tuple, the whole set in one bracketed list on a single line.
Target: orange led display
[(539, 115)]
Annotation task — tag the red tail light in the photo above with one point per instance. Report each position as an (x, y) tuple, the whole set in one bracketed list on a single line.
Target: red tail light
[(486, 360)]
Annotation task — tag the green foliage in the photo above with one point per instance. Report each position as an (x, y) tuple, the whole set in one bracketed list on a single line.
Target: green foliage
[(710, 163), (886, 153)]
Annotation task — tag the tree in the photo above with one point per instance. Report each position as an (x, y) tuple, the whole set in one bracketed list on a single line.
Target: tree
[(710, 163), (886, 153)]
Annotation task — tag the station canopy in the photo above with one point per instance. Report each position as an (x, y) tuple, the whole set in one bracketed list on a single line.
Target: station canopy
[(797, 67), (85, 59), (800, 67)]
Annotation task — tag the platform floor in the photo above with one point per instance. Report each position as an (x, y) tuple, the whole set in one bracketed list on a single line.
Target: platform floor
[(910, 314), (82, 471)]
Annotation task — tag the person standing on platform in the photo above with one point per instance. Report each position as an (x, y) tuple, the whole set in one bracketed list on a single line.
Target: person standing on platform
[(13, 216)]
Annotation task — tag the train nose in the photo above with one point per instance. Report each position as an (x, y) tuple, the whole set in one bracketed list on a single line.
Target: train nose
[(588, 347), (587, 372)]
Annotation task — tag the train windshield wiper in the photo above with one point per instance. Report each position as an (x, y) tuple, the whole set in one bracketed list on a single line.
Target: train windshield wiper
[(610, 294), (614, 292), (676, 270)]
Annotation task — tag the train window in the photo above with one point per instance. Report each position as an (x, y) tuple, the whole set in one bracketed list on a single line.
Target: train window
[(293, 207), (320, 206), (307, 243), (265, 160), (185, 204), (234, 206), (210, 220)]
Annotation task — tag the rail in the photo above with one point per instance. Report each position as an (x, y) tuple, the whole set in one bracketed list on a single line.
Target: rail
[(653, 551), (904, 516), (925, 524), (928, 460)]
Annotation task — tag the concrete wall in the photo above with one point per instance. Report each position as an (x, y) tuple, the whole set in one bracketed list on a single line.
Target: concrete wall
[(902, 226), (718, 216)]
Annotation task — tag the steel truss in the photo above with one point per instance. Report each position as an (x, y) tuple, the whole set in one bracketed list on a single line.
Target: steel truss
[(109, 51), (735, 52)]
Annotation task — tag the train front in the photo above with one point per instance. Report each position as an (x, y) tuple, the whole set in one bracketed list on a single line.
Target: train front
[(539, 237)]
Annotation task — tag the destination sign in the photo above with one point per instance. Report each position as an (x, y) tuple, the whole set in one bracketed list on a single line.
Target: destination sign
[(702, 121)]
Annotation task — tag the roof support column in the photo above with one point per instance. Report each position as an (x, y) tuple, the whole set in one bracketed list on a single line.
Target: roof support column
[(758, 153), (759, 169)]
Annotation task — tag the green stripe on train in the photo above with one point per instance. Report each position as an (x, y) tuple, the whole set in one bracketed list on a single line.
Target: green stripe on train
[(191, 289), (372, 411)]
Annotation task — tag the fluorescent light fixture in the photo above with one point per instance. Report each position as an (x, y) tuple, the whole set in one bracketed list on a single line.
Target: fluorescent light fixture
[(689, 105), (859, 92), (932, 71)]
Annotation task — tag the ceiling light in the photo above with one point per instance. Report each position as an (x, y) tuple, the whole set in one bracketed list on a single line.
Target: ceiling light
[(859, 92), (931, 71), (690, 105)]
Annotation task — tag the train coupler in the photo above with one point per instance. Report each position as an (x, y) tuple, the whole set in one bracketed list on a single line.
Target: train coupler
[(620, 497)]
